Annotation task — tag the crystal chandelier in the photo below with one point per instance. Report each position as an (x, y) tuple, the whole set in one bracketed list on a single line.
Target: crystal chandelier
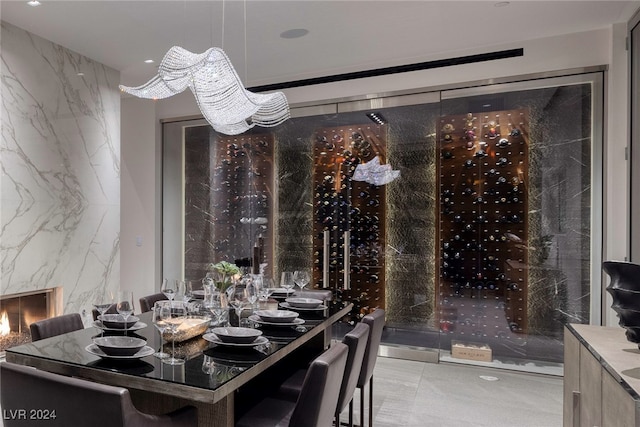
[(223, 100), (374, 173)]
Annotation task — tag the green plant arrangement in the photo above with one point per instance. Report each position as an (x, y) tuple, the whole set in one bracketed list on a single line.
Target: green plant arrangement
[(223, 274)]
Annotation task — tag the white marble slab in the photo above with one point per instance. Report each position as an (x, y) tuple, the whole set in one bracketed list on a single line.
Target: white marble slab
[(60, 182)]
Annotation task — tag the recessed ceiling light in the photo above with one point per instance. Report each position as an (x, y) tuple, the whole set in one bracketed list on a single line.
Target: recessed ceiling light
[(294, 33), (148, 61), (502, 4), (34, 3), (377, 118), (80, 73)]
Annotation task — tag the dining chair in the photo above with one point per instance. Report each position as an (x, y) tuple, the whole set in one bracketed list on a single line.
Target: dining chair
[(375, 320), (356, 342), (29, 396), (316, 404), (55, 326), (146, 303)]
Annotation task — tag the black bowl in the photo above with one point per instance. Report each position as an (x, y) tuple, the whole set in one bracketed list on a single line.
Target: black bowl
[(119, 346), (116, 321)]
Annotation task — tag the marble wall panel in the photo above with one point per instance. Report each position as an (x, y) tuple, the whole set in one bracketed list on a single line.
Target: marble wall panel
[(60, 158)]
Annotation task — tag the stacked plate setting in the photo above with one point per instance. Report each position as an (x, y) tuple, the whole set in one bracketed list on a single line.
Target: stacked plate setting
[(116, 322), (236, 337), (304, 303), (276, 318), (119, 347)]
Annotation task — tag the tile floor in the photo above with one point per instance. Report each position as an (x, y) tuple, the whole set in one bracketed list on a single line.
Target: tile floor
[(417, 394)]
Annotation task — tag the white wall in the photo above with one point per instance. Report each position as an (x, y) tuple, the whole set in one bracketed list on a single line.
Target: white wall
[(140, 204), (616, 207), (593, 48)]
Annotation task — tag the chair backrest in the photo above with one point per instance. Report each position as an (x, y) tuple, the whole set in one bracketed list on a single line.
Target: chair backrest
[(76, 402), (318, 398), (375, 321), (55, 326), (146, 303), (356, 341)]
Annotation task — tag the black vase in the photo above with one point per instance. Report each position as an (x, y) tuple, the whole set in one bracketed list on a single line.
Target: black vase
[(625, 291)]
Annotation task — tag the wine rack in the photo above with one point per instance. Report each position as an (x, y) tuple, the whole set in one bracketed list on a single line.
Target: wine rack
[(483, 224), (238, 208), (349, 228)]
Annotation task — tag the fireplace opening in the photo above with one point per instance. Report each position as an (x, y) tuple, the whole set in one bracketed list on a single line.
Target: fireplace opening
[(18, 311)]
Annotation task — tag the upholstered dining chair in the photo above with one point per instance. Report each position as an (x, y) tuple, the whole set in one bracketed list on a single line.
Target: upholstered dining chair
[(315, 406), (375, 320), (58, 400), (146, 303), (356, 342), (55, 326)]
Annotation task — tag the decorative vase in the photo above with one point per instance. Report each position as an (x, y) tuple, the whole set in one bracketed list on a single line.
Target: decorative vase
[(625, 291)]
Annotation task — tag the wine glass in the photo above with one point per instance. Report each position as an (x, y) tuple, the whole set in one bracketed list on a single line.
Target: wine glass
[(286, 281), (237, 299), (215, 304), (161, 313), (169, 288), (262, 288), (301, 277), (178, 310), (102, 303), (124, 305)]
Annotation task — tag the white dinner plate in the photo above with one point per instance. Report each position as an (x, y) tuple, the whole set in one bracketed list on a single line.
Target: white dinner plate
[(95, 350), (257, 319), (135, 327), (289, 307), (214, 339)]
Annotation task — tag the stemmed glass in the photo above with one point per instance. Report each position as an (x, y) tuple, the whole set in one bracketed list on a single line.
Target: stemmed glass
[(264, 288), (102, 304), (161, 314), (169, 288), (183, 291), (214, 303), (251, 289), (237, 299), (301, 277), (286, 280), (188, 291), (124, 305), (178, 313)]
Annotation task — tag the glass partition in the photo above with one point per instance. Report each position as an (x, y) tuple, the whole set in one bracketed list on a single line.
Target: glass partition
[(479, 251)]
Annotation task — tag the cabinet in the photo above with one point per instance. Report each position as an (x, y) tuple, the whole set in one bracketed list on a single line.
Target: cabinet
[(601, 377)]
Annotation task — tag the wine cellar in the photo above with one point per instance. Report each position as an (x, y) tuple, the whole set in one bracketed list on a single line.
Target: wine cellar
[(349, 227), (483, 224)]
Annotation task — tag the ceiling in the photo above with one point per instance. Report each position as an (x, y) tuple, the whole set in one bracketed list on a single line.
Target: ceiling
[(344, 36)]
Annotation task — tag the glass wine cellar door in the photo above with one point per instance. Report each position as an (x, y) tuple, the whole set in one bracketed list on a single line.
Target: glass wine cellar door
[(471, 216)]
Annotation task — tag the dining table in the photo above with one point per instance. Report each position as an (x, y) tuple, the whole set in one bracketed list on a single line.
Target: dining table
[(221, 381)]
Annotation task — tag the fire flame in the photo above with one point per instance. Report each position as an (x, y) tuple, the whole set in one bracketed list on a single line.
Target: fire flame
[(4, 324)]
